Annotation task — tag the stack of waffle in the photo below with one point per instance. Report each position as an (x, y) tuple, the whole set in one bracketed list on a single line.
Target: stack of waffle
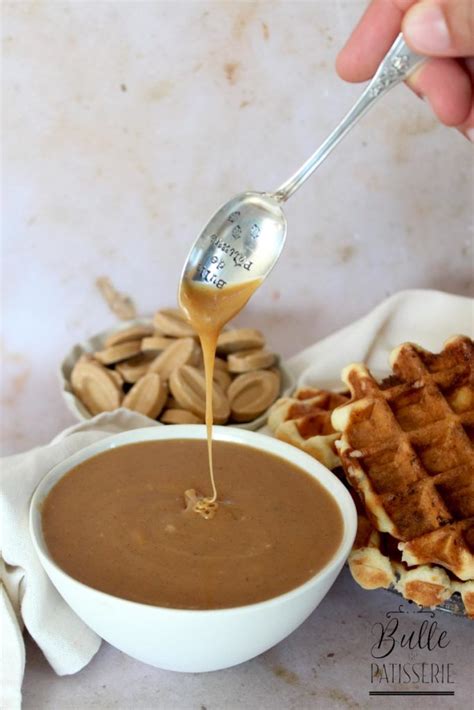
[(406, 448), (304, 420)]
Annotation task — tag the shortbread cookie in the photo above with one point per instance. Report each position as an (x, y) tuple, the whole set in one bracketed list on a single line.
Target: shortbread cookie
[(96, 387), (222, 378), (188, 387), (231, 341), (116, 376), (248, 360), (147, 396), (220, 364), (184, 351), (131, 370), (117, 353), (135, 332), (172, 321), (156, 343), (252, 393), (179, 416)]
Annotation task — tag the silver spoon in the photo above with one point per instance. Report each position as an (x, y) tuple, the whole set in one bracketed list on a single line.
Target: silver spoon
[(244, 238)]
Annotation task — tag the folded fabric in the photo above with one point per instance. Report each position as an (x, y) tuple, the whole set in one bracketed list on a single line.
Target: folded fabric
[(27, 596), (427, 318)]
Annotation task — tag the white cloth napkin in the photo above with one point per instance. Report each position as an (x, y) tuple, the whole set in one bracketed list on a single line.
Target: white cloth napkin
[(427, 318), (27, 597)]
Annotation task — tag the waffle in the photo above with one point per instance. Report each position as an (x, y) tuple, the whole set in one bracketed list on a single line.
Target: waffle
[(370, 567), (407, 448), (375, 562), (304, 420)]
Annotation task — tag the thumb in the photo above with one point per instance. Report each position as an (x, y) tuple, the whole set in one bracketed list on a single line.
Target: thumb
[(440, 28)]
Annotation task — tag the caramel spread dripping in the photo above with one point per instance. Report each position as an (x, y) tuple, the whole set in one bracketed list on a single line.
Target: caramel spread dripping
[(209, 309), (199, 504)]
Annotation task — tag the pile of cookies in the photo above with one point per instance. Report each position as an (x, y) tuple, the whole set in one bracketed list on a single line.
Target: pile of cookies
[(406, 447), (158, 370)]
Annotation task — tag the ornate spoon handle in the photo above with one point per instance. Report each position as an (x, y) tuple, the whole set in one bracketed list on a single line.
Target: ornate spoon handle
[(397, 64)]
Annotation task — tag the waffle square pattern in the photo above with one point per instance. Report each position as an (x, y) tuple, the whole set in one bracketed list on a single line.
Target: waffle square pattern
[(407, 447)]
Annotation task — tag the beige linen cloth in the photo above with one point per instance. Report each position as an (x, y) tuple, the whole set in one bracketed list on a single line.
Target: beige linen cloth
[(27, 598)]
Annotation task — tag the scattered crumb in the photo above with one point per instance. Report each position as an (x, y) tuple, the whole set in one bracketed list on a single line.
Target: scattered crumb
[(119, 303), (19, 381), (159, 90), (123, 87), (330, 655), (265, 31), (412, 126), (230, 70), (345, 252), (243, 20), (286, 675), (16, 386), (245, 103), (276, 295), (339, 696), (416, 125)]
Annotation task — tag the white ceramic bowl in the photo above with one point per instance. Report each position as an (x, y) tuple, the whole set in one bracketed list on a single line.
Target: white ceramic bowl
[(189, 640), (96, 342)]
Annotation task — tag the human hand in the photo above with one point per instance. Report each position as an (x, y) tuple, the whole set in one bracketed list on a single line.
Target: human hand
[(441, 29)]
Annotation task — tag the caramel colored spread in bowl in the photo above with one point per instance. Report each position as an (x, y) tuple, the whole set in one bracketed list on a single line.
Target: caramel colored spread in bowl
[(118, 522)]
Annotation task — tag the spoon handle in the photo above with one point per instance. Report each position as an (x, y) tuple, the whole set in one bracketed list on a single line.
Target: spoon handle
[(397, 64)]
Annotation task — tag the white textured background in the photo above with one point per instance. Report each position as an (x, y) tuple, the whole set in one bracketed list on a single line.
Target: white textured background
[(125, 125)]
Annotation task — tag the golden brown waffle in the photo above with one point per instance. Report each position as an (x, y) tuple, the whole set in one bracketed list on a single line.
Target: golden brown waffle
[(407, 449), (369, 566), (304, 420), (375, 563)]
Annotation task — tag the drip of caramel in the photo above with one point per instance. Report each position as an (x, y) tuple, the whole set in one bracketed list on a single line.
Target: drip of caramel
[(209, 309)]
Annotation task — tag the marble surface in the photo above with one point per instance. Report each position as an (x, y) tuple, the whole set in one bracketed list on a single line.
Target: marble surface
[(126, 124), (326, 664)]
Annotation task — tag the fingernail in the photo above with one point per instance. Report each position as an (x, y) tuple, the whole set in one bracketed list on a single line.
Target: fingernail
[(470, 134), (426, 29), (413, 80)]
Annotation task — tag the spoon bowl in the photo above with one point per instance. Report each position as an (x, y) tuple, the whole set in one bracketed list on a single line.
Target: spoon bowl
[(241, 242)]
